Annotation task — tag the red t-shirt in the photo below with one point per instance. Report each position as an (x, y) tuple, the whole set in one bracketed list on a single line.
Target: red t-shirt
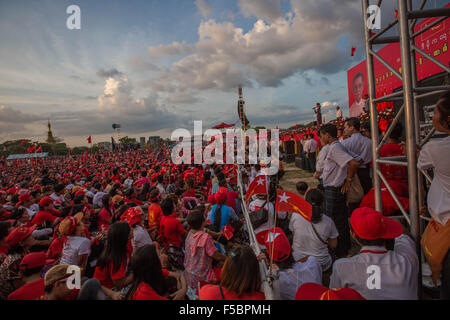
[(4, 249), (231, 199), (106, 275), (212, 292), (392, 172), (145, 292), (30, 291), (102, 217), (171, 229), (42, 216)]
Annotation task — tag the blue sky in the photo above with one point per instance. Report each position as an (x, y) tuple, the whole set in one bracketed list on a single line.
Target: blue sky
[(156, 65)]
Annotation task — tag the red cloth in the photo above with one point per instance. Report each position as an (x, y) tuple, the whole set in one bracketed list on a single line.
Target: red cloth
[(55, 249), (154, 215), (29, 291), (231, 199), (146, 292), (212, 292), (42, 216), (106, 275), (393, 172), (171, 229), (102, 217), (389, 205)]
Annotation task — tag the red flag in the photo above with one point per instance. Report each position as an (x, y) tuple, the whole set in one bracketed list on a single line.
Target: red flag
[(290, 202), (23, 141), (30, 149), (38, 149), (396, 14), (89, 140), (353, 51), (258, 186), (85, 156)]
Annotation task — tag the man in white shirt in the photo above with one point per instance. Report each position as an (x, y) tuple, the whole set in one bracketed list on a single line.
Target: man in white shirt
[(337, 169), (57, 196), (362, 147), (311, 147), (377, 273)]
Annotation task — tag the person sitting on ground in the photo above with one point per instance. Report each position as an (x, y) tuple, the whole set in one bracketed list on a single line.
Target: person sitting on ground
[(150, 281), (302, 188), (378, 273), (76, 246), (312, 238), (55, 282), (31, 269), (200, 252), (240, 278)]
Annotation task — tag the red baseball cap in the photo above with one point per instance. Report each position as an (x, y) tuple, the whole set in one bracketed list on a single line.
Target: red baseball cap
[(80, 192), (370, 224), (277, 243), (18, 234), (24, 197), (33, 260), (45, 201), (314, 291)]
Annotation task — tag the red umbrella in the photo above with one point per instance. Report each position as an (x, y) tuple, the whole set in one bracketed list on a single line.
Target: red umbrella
[(223, 125)]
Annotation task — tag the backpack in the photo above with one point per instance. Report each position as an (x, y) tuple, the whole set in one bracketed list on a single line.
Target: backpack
[(259, 216)]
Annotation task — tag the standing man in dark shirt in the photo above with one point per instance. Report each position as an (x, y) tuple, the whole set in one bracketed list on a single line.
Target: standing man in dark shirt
[(318, 113)]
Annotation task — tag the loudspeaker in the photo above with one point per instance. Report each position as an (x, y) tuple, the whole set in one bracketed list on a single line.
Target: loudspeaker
[(290, 147)]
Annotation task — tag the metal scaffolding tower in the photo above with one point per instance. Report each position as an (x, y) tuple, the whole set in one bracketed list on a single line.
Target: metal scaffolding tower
[(411, 94)]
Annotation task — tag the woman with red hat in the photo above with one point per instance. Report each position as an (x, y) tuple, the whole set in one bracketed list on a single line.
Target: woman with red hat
[(220, 213), (20, 240)]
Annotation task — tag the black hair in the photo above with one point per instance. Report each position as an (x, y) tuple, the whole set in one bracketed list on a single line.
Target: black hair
[(358, 75), (443, 106), (17, 213), (58, 187), (301, 186), (65, 211), (167, 206), (78, 199), (196, 218), (4, 226), (220, 175), (222, 183), (354, 122), (397, 131), (329, 128), (160, 178), (315, 198), (116, 246), (30, 272), (146, 267)]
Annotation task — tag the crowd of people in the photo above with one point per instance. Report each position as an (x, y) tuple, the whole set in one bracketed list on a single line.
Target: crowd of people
[(139, 227)]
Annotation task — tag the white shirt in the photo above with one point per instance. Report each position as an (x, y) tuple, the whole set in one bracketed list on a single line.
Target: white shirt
[(161, 189), (306, 243), (59, 198), (140, 237), (312, 146), (357, 109), (359, 145), (335, 164), (30, 212), (98, 199), (436, 154), (288, 282), (398, 272), (74, 247)]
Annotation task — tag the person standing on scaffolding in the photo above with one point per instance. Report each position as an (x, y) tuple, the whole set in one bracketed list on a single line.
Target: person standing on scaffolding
[(318, 112)]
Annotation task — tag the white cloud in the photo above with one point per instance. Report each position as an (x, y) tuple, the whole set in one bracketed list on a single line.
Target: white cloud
[(268, 10), (204, 8), (224, 56)]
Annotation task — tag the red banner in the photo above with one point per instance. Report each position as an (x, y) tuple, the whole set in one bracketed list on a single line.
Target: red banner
[(433, 41)]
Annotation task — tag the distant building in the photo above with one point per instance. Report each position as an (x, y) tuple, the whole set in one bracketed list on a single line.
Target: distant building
[(154, 141), (104, 145), (142, 141)]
